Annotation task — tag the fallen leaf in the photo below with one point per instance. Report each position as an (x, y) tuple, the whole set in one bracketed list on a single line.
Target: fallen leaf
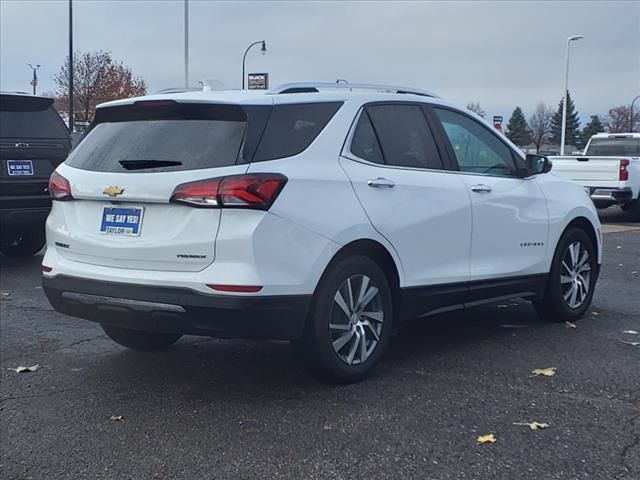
[(618, 246), (635, 272), (116, 418), (569, 324), (490, 438), (595, 313), (547, 372), (630, 332), (327, 428), (533, 425), (22, 369), (621, 264), (513, 325), (5, 294), (633, 344)]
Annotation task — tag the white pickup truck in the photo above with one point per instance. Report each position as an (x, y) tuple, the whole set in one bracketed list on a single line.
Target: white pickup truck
[(609, 170)]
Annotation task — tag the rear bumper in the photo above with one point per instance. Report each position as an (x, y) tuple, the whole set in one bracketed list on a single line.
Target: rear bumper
[(178, 310), (23, 218), (604, 197)]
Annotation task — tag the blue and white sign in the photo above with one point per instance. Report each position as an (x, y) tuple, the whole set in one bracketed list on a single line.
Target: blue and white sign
[(124, 221), (20, 167)]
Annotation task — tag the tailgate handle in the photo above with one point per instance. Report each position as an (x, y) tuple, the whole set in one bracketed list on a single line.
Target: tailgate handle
[(583, 159)]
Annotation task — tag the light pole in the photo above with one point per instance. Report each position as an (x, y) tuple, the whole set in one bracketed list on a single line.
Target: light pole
[(631, 114), (71, 115), (244, 58), (34, 82), (566, 90), (186, 43)]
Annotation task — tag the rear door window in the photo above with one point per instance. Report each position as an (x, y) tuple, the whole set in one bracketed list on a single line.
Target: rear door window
[(365, 143), (29, 118), (292, 128), (404, 135), (609, 147)]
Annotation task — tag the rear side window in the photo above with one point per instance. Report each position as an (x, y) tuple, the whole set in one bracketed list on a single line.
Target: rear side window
[(29, 118), (165, 136), (404, 135), (292, 128)]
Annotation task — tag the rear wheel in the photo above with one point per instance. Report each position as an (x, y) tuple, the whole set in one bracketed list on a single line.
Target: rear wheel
[(140, 340), (633, 209), (22, 244), (572, 279), (350, 322)]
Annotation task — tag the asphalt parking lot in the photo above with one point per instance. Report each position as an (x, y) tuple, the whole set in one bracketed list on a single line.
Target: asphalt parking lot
[(210, 409)]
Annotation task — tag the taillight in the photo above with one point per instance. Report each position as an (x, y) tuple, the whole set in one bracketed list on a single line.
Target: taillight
[(255, 190), (59, 187), (624, 172)]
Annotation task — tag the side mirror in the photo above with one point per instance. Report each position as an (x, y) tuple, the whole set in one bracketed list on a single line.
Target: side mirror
[(537, 164)]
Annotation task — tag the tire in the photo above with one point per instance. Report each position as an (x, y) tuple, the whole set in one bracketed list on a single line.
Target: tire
[(633, 209), (140, 340), (23, 245), (331, 347), (559, 303)]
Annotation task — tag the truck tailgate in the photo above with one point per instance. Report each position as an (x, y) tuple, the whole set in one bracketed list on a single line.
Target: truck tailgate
[(590, 170)]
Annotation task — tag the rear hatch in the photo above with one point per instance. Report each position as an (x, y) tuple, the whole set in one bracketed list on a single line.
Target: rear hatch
[(33, 142), (124, 172)]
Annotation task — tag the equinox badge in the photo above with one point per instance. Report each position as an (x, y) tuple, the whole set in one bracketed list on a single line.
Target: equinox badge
[(113, 191)]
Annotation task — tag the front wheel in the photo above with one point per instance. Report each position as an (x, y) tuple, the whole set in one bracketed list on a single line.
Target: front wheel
[(350, 322), (572, 279), (140, 340)]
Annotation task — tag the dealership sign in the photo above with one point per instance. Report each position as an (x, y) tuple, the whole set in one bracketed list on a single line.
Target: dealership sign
[(258, 81)]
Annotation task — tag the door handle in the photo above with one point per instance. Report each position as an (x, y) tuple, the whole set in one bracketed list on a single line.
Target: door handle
[(380, 183), (480, 188)]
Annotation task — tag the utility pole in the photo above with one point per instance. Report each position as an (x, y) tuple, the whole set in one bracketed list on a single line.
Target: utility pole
[(186, 43), (71, 119), (34, 82)]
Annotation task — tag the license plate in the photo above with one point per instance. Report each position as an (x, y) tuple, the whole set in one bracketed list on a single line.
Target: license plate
[(19, 167), (125, 221)]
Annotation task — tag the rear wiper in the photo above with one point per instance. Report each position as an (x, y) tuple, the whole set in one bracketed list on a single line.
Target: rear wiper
[(142, 164)]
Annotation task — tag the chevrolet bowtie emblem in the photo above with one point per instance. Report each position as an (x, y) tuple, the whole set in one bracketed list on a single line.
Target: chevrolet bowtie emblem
[(113, 191)]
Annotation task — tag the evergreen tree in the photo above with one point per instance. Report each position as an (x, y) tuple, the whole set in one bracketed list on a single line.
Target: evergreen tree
[(517, 128), (593, 127), (573, 136)]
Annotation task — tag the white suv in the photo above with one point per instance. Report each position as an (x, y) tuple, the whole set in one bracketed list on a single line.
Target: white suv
[(324, 214)]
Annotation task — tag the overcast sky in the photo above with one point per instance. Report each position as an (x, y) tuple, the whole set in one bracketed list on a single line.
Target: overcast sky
[(501, 54)]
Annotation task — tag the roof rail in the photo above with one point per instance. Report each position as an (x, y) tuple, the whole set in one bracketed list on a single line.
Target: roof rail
[(178, 90), (312, 87)]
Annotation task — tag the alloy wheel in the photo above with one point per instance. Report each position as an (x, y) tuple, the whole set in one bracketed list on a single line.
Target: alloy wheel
[(356, 320), (575, 275)]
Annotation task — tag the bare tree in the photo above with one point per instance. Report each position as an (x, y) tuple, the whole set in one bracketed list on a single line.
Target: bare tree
[(619, 121), (476, 108), (97, 78), (540, 125)]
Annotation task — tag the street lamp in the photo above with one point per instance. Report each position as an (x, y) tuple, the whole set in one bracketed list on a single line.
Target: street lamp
[(566, 90), (186, 43), (631, 114), (34, 82), (263, 50)]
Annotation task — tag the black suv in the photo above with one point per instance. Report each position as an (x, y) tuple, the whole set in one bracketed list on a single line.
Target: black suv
[(33, 142)]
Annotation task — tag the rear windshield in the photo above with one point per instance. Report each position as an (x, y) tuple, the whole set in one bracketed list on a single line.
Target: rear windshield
[(24, 117), (169, 136), (610, 147)]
